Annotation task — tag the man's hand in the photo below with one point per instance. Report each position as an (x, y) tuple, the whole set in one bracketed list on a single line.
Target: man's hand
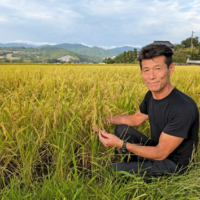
[(109, 140), (96, 128), (104, 122)]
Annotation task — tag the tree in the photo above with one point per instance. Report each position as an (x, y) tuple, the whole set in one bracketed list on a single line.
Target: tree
[(108, 61), (135, 54), (53, 60), (187, 42), (119, 58), (4, 60), (124, 57)]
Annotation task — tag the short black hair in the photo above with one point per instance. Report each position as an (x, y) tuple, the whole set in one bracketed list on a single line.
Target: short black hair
[(152, 51)]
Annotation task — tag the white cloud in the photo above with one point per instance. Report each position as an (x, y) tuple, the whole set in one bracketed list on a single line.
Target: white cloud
[(99, 22), (112, 47), (38, 10), (33, 43), (3, 19), (86, 45), (6, 3)]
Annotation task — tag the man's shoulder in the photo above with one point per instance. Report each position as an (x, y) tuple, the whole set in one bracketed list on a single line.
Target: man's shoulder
[(181, 99), (182, 103)]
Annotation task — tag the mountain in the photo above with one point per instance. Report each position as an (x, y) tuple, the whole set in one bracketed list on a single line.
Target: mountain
[(85, 50), (16, 45), (94, 51), (55, 52), (42, 54), (97, 52), (119, 50)]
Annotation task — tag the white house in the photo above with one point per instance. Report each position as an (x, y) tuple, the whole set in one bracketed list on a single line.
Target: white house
[(197, 62)]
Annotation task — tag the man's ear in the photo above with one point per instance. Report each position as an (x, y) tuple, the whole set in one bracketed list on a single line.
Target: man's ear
[(171, 69)]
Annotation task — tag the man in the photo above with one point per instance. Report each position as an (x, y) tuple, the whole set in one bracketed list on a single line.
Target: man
[(173, 117)]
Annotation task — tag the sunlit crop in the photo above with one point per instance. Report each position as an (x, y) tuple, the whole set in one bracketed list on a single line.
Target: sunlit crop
[(47, 146)]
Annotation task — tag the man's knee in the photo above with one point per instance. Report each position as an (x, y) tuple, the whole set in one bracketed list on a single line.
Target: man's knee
[(130, 167), (117, 167), (121, 130)]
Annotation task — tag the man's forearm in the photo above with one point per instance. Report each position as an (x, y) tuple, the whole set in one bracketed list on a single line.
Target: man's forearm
[(151, 152), (131, 120), (126, 119)]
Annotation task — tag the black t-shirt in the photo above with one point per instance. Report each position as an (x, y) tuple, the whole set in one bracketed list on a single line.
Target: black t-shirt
[(176, 115)]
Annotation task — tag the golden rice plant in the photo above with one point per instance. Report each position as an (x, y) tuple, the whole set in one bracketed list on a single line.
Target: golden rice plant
[(46, 116)]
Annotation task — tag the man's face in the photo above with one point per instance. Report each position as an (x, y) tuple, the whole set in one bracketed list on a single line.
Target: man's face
[(156, 74)]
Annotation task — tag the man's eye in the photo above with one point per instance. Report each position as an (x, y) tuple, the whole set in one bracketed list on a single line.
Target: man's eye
[(157, 68)]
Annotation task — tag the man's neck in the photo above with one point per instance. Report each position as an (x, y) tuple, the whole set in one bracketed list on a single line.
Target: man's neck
[(164, 93)]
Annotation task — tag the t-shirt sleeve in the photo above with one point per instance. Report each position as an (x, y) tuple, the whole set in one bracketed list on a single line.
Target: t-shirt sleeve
[(144, 105), (180, 122)]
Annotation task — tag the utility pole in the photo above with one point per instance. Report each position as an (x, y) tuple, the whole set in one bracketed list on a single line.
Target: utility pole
[(191, 44)]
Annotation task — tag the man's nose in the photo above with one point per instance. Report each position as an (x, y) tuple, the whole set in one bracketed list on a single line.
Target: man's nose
[(152, 74)]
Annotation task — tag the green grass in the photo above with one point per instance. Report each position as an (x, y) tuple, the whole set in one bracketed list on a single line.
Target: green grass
[(47, 147)]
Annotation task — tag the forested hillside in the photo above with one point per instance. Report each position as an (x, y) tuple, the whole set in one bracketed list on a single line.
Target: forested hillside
[(94, 51), (186, 50), (189, 48), (41, 55)]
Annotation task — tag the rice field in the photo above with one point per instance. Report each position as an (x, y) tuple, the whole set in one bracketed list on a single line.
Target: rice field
[(47, 146)]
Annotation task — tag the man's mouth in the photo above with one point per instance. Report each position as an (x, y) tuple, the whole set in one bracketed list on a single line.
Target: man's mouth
[(152, 83)]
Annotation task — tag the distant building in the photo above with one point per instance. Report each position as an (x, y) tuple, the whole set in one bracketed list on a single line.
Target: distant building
[(11, 58), (167, 43), (65, 58), (7, 55), (195, 62)]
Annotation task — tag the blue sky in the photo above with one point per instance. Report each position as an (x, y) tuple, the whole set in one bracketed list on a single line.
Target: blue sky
[(105, 23)]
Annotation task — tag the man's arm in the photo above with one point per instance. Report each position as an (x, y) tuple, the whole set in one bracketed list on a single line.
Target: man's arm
[(167, 144), (131, 120)]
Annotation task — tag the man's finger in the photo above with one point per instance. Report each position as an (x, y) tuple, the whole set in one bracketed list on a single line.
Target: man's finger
[(101, 138), (102, 134), (105, 134), (95, 128)]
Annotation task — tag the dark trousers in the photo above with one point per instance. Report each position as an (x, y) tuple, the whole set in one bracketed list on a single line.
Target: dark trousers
[(138, 165)]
